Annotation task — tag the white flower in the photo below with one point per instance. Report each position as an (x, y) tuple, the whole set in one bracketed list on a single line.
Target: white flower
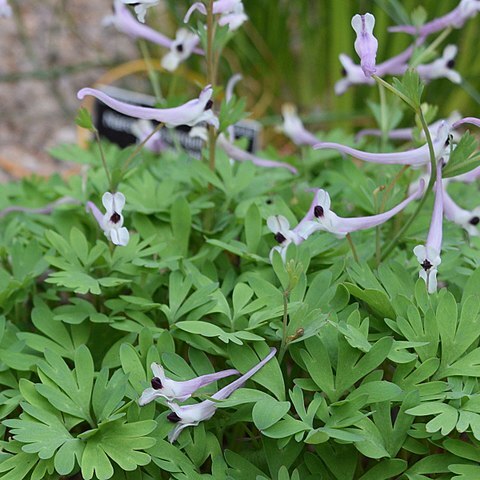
[(231, 12), (469, 220), (352, 75), (429, 259), (429, 255), (280, 227), (112, 221), (442, 67), (235, 18), (141, 7), (180, 49), (293, 127), (169, 389), (113, 218), (191, 415)]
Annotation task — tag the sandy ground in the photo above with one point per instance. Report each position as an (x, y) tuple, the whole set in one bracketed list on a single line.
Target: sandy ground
[(48, 51)]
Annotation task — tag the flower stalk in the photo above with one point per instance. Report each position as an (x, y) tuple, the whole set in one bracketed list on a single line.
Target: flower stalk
[(211, 79), (388, 249)]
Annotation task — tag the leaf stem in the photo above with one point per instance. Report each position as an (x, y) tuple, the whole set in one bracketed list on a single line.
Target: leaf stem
[(211, 78), (104, 161), (352, 247), (433, 168), (283, 345), (140, 146)]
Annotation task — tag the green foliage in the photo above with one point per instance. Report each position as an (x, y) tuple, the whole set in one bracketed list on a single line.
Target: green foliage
[(411, 87), (374, 379)]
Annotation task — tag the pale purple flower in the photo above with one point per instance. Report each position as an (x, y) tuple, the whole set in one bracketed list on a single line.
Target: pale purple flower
[(165, 387), (428, 255), (352, 75), (125, 22), (180, 49), (468, 120), (190, 113), (141, 7), (467, 219), (407, 133), (321, 218), (442, 67), (468, 177), (366, 44), (456, 19), (242, 156), (417, 156), (231, 12), (293, 127), (235, 19), (192, 415), (112, 221), (5, 9)]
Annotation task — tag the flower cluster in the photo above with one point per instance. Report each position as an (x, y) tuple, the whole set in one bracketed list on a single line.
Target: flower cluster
[(443, 133), (191, 415)]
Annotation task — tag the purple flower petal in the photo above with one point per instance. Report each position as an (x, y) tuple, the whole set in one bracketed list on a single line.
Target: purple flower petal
[(242, 156), (418, 156), (190, 113)]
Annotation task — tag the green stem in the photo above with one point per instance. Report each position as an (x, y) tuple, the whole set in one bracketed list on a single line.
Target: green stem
[(433, 165), (383, 115), (140, 146), (283, 345), (395, 92), (104, 161), (432, 47), (211, 79), (352, 247), (152, 73)]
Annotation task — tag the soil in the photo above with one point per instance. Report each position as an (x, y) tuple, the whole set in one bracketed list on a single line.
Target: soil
[(49, 50)]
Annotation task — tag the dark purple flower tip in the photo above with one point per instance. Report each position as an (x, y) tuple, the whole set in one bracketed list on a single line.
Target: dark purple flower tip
[(318, 211), (115, 218), (173, 417), (156, 383), (279, 237), (426, 265)]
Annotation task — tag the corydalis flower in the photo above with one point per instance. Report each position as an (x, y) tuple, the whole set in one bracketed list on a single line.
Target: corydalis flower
[(192, 415), (112, 221), (280, 227), (141, 7), (407, 133), (418, 156), (456, 19), (231, 12), (242, 156), (190, 113), (320, 216), (429, 255), (126, 23), (468, 220), (293, 127), (180, 49), (5, 9), (442, 67), (164, 387), (366, 44)]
